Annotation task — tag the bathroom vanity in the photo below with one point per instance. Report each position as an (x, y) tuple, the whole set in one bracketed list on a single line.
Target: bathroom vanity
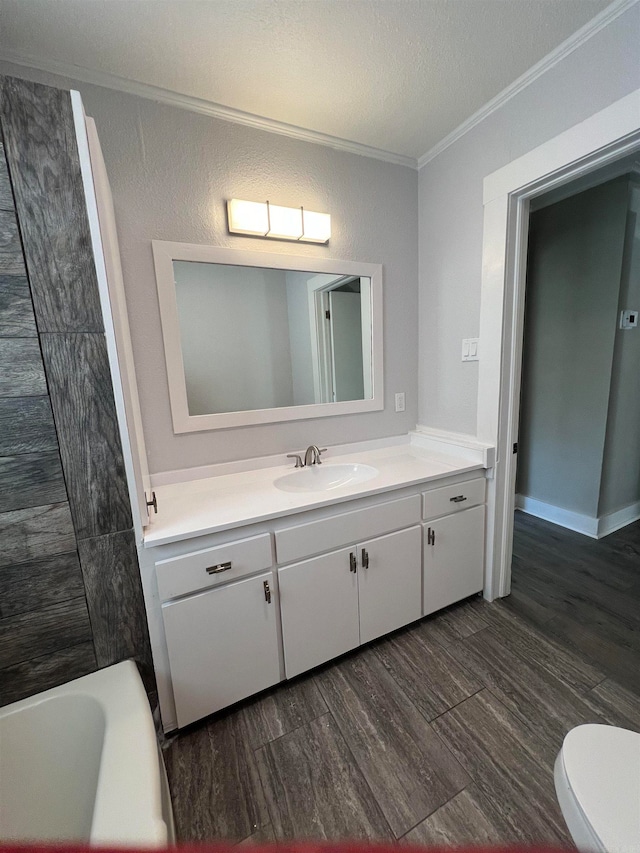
[(257, 583)]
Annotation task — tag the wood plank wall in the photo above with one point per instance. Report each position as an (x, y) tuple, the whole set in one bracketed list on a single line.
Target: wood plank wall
[(70, 593)]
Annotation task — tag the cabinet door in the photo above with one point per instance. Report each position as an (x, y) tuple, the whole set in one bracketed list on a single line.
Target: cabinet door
[(319, 608), (389, 582), (453, 558), (223, 646)]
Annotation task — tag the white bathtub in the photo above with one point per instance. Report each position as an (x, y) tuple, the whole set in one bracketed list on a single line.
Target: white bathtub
[(81, 763)]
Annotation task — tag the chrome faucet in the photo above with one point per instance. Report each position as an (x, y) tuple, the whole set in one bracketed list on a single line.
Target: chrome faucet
[(312, 455)]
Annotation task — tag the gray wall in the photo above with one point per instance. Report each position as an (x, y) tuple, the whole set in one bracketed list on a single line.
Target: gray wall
[(171, 171), (620, 485), (596, 74), (573, 284), (227, 368)]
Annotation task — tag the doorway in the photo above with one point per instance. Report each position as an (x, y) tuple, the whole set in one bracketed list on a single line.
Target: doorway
[(578, 461), (576, 545), (603, 139), (340, 322)]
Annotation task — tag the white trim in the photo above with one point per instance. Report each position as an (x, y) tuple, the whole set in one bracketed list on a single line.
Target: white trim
[(610, 133), (132, 467), (556, 161), (596, 528), (453, 444), (586, 524), (201, 106), (620, 518), (164, 253), (590, 29)]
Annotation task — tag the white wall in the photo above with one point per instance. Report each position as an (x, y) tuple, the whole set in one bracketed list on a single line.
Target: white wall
[(171, 171), (573, 284), (596, 74)]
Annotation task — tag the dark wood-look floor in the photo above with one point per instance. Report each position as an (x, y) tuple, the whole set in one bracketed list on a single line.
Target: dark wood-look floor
[(445, 732), (584, 593)]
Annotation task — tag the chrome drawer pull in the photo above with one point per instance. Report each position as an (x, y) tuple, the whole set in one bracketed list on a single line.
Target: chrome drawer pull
[(365, 558), (221, 567), (458, 499), (267, 592), (353, 562)]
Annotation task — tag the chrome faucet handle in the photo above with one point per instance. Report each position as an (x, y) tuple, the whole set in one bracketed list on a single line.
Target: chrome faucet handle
[(297, 457), (318, 460)]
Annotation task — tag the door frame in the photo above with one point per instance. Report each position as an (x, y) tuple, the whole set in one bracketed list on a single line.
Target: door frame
[(601, 139)]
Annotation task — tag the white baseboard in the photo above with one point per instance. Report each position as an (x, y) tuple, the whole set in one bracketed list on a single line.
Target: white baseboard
[(454, 444), (595, 527), (620, 518), (565, 518)]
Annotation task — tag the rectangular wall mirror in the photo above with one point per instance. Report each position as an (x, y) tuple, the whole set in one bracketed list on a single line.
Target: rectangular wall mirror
[(258, 337)]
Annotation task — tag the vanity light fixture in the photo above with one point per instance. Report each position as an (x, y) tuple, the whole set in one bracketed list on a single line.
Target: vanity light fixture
[(263, 219)]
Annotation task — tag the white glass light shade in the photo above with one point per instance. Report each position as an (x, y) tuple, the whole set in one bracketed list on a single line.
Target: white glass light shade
[(317, 227), (247, 217), (262, 219), (285, 222)]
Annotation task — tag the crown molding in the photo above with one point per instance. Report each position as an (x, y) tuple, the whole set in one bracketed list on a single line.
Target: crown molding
[(200, 105), (590, 29)]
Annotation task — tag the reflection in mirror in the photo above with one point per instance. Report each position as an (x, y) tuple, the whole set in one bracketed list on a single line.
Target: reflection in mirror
[(261, 338)]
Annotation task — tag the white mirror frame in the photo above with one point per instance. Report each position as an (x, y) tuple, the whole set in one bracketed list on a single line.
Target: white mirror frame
[(165, 253)]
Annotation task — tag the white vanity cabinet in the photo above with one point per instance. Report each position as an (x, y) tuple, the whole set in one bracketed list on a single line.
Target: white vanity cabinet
[(246, 607), (319, 610), (453, 544), (333, 603), (389, 582), (222, 641)]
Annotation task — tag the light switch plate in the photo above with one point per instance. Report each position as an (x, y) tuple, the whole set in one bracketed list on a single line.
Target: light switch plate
[(628, 318), (470, 349)]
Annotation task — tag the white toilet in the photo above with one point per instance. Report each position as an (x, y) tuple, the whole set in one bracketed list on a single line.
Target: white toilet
[(597, 776)]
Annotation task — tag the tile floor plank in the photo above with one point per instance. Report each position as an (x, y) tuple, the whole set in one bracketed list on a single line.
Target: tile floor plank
[(215, 787), (611, 658), (264, 835), (506, 763), (409, 770), (468, 818), (534, 643), (540, 701), (429, 675), (314, 789), (454, 623), (281, 710), (619, 707)]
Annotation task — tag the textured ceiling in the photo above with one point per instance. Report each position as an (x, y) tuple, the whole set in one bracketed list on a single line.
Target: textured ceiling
[(398, 75)]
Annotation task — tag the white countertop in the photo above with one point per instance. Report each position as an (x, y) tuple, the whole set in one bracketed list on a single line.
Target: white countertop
[(213, 504)]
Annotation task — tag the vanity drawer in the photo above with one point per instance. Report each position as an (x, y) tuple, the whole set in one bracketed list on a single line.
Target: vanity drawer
[(448, 499), (213, 566), (305, 540)]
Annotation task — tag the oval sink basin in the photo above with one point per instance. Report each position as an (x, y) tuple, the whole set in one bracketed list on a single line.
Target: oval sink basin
[(322, 478)]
